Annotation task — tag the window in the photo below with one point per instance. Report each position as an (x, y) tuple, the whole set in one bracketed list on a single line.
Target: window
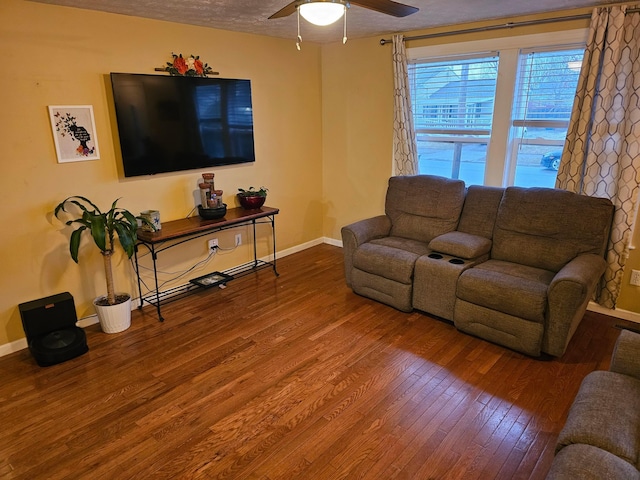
[(452, 101), (497, 118), (545, 88)]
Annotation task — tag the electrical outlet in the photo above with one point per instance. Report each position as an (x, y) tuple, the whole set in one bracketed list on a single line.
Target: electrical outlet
[(238, 239), (213, 243), (635, 278)]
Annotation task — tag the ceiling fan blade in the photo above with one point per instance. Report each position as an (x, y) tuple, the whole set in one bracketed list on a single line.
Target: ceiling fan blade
[(286, 11), (385, 6)]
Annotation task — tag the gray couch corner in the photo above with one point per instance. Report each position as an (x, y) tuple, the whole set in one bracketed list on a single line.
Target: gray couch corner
[(601, 437), (626, 355)]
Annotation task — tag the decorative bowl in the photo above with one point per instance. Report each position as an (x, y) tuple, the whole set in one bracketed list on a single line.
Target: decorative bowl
[(251, 203), (212, 213)]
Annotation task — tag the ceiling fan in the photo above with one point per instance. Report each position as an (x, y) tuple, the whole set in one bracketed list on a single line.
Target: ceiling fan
[(326, 12), (387, 7)]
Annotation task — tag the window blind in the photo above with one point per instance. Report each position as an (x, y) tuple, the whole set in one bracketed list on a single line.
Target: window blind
[(545, 88), (454, 96)]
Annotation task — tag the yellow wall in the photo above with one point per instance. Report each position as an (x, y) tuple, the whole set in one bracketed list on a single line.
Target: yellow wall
[(62, 56), (357, 87), (357, 126)]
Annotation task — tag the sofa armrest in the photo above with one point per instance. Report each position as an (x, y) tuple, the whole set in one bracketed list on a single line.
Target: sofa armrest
[(461, 245), (626, 354), (578, 275), (360, 232), (364, 230), (568, 295)]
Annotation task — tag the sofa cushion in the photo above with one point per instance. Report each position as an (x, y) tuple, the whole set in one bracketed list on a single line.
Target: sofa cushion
[(606, 414), (413, 246), (390, 257), (460, 244), (507, 287), (546, 228), (422, 207), (586, 462), (480, 209)]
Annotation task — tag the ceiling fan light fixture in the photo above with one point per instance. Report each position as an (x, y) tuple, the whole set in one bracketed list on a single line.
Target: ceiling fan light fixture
[(322, 13)]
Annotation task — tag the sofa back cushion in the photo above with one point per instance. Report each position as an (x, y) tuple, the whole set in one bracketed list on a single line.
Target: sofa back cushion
[(422, 207), (546, 228), (480, 209)]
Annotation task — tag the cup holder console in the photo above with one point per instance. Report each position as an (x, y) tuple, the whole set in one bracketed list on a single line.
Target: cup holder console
[(438, 256), (438, 272)]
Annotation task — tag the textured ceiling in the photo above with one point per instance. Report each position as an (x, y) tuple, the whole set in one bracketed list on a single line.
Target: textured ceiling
[(251, 16)]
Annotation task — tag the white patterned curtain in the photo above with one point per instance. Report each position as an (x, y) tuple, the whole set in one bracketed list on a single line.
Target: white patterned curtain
[(405, 151), (601, 156)]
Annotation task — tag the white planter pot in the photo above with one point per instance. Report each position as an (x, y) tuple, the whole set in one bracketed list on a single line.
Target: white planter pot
[(114, 318)]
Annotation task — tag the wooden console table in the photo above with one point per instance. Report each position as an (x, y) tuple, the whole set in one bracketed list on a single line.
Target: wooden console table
[(177, 232)]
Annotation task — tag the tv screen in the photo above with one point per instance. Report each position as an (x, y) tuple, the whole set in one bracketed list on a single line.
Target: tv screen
[(169, 124)]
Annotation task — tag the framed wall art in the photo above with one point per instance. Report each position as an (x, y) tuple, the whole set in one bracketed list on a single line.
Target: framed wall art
[(74, 133)]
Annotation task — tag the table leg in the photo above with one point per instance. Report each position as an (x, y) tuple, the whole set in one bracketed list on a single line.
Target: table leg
[(255, 240), (135, 253), (273, 233), (155, 276)]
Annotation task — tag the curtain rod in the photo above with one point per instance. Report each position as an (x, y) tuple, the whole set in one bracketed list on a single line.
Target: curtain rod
[(526, 23)]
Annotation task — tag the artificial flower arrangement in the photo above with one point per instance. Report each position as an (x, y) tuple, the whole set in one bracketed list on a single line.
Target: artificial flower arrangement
[(190, 66)]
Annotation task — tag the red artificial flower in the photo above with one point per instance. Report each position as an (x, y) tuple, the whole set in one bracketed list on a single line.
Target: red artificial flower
[(197, 64), (180, 64)]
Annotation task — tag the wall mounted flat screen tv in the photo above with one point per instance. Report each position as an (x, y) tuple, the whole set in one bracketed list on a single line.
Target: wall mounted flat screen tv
[(169, 124)]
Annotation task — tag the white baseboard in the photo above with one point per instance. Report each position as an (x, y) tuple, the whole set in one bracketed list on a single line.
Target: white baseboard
[(93, 319), (21, 344), (296, 249), (618, 313), (12, 347), (333, 241)]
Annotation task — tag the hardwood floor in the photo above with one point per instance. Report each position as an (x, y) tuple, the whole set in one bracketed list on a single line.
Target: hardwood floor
[(292, 377)]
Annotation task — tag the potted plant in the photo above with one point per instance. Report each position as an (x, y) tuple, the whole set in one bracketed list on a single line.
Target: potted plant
[(114, 309), (252, 198)]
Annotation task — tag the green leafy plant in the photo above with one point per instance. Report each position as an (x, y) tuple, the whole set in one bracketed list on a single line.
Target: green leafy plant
[(103, 227), (252, 192)]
